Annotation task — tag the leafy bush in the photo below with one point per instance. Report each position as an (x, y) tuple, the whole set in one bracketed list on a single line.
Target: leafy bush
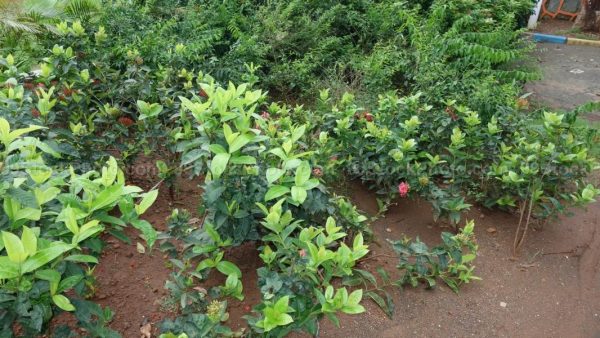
[(458, 49), (451, 262), (451, 156), (49, 221), (543, 170), (466, 51), (300, 270), (139, 53), (247, 158), (296, 281), (79, 95)]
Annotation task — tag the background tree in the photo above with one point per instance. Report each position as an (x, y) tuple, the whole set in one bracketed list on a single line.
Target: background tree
[(588, 17)]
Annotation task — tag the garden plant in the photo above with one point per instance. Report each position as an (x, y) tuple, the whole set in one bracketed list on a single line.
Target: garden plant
[(270, 106)]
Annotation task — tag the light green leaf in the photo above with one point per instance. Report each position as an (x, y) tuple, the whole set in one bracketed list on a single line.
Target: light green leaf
[(311, 184), (147, 230), (7, 137), (302, 173), (107, 197), (355, 297), (299, 194), (87, 230), (229, 134), (273, 174), (468, 258), (40, 175), (63, 302), (353, 309), (282, 304), (298, 132), (219, 164), (279, 153), (109, 173), (217, 149), (45, 196), (82, 259), (4, 129), (44, 256), (67, 215), (239, 142), (205, 264), (147, 201), (247, 160), (14, 247), (8, 269), (29, 240), (212, 233), (28, 213), (276, 191), (227, 268), (48, 275), (148, 110)]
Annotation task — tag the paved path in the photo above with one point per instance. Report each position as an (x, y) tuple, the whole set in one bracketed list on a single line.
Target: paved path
[(571, 76)]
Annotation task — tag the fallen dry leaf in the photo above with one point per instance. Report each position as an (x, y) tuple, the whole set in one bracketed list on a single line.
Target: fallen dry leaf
[(201, 290), (146, 331)]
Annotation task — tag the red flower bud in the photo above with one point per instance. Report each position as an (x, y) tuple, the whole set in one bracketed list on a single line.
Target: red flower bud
[(369, 117), (35, 113), (125, 121)]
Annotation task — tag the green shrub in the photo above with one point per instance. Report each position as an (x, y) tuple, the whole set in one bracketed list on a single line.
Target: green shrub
[(452, 158), (50, 221), (250, 157)]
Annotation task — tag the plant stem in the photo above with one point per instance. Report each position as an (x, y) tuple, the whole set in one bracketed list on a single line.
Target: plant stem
[(526, 224), (522, 207)]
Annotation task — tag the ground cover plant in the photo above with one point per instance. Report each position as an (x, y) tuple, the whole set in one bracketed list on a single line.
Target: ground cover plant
[(270, 104)]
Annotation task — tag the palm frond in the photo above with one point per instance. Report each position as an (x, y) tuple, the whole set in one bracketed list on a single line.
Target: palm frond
[(18, 26), (83, 9), (41, 9), (28, 16)]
